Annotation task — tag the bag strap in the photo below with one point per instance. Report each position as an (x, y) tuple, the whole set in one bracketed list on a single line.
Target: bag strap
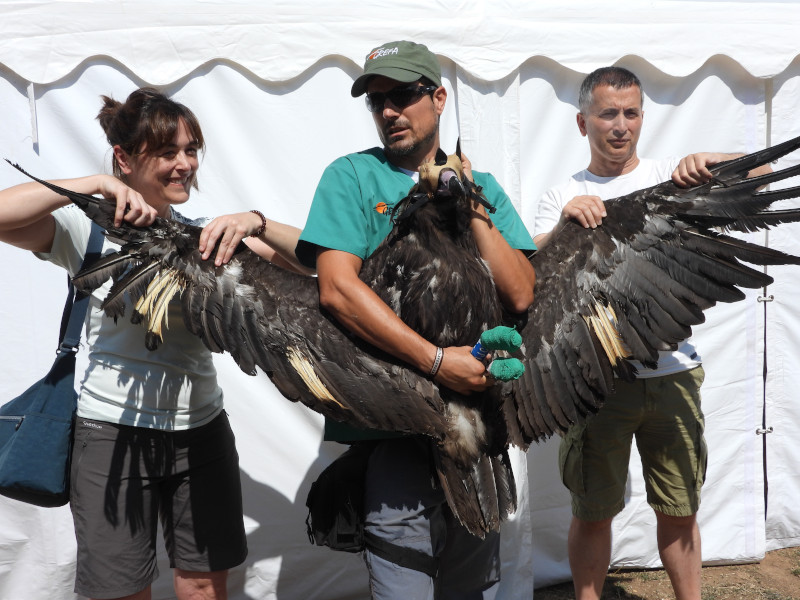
[(77, 302), (401, 556)]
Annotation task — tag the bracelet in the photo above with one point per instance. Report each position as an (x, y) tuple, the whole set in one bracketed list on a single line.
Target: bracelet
[(263, 227), (437, 362)]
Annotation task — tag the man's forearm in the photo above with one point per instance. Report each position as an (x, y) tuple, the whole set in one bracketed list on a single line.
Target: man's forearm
[(513, 274)]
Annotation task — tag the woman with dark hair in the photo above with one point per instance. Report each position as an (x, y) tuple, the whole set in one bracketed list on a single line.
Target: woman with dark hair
[(152, 441)]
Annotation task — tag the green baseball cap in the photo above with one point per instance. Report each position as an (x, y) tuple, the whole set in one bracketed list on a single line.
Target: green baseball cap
[(402, 61)]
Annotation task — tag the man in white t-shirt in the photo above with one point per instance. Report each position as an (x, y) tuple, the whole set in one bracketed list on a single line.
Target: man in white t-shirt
[(662, 407)]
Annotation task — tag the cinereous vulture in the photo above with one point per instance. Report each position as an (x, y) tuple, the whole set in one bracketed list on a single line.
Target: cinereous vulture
[(625, 290)]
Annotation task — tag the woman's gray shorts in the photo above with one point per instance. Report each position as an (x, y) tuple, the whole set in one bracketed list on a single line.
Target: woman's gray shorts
[(124, 479)]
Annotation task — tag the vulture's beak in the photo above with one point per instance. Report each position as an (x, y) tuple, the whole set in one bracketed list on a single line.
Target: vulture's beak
[(450, 184)]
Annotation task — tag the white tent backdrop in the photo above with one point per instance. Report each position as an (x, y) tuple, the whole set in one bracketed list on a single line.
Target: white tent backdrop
[(270, 82)]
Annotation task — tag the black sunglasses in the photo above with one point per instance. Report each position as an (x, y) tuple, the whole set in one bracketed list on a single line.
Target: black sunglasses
[(400, 96)]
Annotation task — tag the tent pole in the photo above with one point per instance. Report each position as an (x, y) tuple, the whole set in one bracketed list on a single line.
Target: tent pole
[(768, 92)]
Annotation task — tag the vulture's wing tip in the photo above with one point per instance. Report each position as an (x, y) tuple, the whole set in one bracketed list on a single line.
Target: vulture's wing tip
[(18, 168), (24, 172)]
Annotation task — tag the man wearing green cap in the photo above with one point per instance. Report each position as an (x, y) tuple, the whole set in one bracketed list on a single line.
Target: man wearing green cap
[(349, 218)]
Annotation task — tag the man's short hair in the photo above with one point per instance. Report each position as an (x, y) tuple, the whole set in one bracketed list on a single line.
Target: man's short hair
[(617, 77)]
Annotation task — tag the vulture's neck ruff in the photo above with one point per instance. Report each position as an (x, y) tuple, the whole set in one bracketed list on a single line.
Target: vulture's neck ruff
[(429, 269)]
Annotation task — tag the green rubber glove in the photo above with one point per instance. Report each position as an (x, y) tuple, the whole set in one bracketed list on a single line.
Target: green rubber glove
[(501, 338)]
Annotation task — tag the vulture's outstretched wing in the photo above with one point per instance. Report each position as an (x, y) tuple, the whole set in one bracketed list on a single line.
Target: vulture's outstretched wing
[(263, 316), (267, 317), (627, 289), (638, 283)]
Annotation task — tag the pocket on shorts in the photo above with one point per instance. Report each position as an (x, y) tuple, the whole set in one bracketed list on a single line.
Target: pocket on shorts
[(698, 375), (82, 435), (702, 456), (570, 459)]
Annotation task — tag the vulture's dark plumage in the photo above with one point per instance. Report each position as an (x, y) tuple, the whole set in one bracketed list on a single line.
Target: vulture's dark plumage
[(632, 287)]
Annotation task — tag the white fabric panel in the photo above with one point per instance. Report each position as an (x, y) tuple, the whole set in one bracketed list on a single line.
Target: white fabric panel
[(783, 409), (489, 121), (267, 145), (715, 109), (550, 514), (37, 552), (490, 133), (710, 118), (44, 40)]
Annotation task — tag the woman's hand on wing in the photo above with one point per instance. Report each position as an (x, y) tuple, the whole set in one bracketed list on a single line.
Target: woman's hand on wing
[(131, 206), (227, 231)]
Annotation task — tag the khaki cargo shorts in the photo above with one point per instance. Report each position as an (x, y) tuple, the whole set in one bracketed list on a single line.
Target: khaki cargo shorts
[(663, 414)]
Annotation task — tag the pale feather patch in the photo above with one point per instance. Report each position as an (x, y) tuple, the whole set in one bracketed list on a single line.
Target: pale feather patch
[(232, 276), (395, 299), (233, 271), (468, 432), (305, 369), (433, 286), (154, 302), (603, 322), (447, 332)]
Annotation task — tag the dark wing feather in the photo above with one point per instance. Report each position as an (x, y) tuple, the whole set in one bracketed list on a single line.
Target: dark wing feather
[(268, 317), (658, 261), (271, 318), (429, 271), (626, 290)]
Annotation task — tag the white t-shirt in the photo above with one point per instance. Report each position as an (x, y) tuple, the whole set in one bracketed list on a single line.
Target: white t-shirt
[(173, 387), (646, 174)]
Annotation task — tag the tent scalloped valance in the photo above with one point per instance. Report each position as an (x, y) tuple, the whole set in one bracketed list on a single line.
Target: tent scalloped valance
[(44, 41)]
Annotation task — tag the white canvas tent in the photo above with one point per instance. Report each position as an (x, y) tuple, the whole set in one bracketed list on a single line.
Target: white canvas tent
[(270, 83)]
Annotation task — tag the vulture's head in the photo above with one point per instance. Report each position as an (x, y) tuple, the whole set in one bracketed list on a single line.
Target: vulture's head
[(439, 201), (446, 192), (442, 176)]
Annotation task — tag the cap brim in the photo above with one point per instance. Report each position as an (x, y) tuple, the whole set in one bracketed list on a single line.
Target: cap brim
[(396, 73)]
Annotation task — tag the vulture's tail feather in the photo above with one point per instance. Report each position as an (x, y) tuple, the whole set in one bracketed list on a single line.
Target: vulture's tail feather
[(482, 495)]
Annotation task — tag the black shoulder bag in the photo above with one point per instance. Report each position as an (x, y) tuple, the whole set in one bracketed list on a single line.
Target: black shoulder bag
[(336, 513)]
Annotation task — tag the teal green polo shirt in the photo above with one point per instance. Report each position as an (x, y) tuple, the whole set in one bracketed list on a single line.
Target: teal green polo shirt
[(351, 212)]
